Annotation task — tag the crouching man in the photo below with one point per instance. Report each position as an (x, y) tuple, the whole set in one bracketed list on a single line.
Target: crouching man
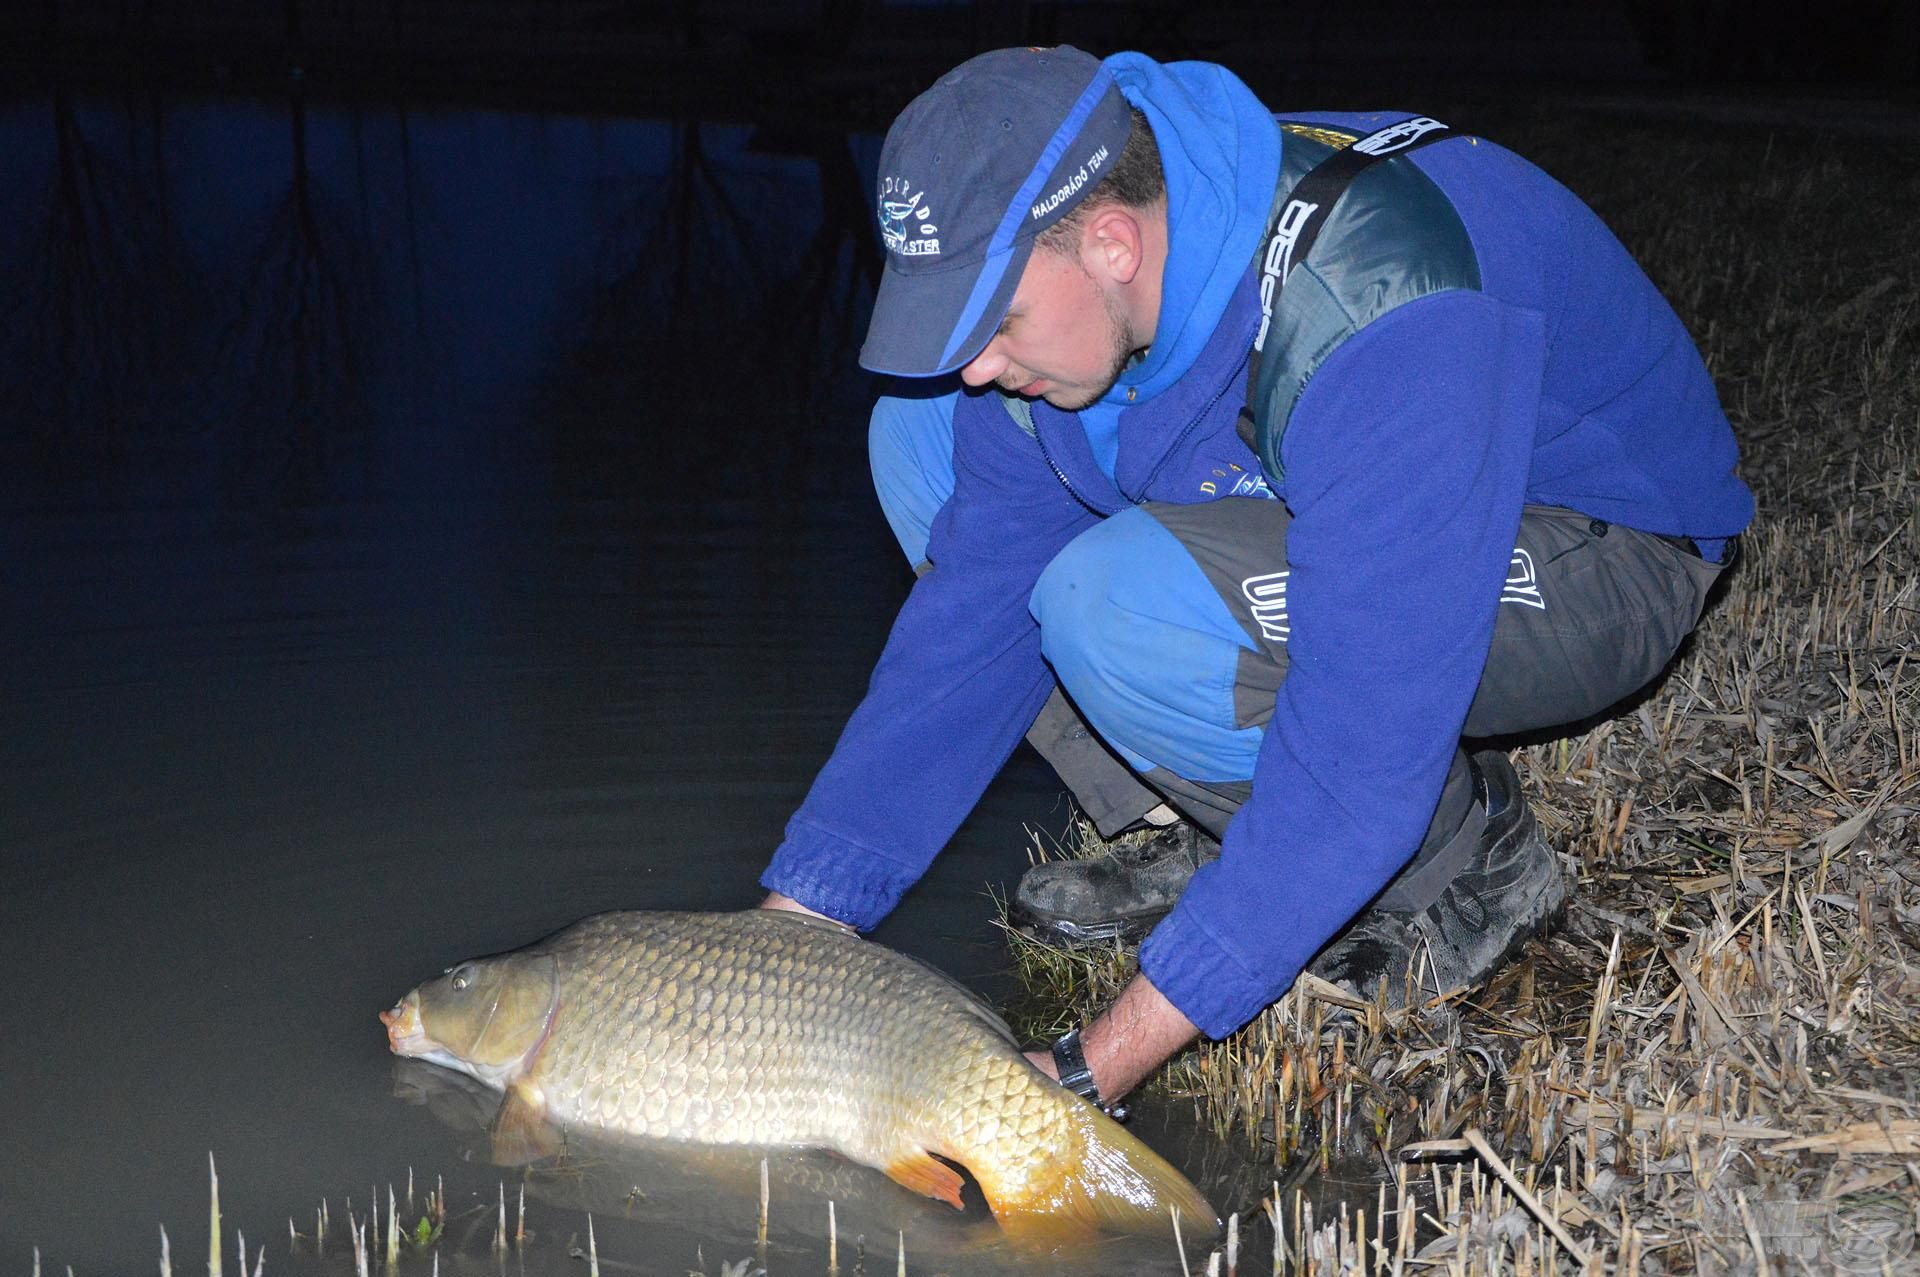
[(1291, 452)]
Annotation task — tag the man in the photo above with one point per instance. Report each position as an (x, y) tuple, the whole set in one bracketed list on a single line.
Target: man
[(1474, 480)]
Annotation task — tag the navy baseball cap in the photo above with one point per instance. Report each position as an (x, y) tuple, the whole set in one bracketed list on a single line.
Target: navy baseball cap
[(1002, 147)]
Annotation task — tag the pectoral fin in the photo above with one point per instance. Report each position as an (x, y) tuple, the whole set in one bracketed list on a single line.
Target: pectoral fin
[(926, 1174), (521, 1132)]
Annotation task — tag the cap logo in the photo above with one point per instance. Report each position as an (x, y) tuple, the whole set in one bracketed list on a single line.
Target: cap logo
[(906, 223), (1071, 187)]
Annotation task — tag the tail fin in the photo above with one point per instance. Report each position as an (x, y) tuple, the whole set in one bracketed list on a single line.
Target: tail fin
[(1099, 1179)]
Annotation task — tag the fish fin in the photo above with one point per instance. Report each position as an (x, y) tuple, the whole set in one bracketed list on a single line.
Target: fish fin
[(521, 1131), (926, 1174), (1102, 1180)]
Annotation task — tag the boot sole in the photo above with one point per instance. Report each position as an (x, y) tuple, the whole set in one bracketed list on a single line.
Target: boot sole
[(1068, 934)]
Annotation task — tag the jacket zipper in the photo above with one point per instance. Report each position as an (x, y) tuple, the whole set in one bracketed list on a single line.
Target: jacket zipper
[(1188, 429), (1061, 475)]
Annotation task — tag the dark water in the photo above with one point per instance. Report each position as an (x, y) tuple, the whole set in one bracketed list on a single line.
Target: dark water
[(417, 531)]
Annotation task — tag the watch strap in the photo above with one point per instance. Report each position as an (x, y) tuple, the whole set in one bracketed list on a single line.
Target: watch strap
[(1070, 1062)]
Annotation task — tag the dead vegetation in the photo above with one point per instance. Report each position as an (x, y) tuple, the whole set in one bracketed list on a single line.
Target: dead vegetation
[(1713, 1065)]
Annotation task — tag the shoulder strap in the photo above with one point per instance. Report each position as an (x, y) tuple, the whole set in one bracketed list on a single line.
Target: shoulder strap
[(1298, 219)]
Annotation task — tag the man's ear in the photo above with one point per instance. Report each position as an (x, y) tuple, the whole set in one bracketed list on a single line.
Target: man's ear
[(1113, 244)]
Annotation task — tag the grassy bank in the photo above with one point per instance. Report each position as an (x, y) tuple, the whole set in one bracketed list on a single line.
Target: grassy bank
[(1713, 1065)]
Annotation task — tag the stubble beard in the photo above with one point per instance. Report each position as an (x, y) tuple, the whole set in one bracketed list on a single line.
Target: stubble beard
[(1123, 344)]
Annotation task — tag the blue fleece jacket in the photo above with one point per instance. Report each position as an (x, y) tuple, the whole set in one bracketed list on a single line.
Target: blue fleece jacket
[(1566, 380)]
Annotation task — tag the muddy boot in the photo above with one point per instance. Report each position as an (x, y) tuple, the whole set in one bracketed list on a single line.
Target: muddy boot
[(1508, 890), (1116, 896)]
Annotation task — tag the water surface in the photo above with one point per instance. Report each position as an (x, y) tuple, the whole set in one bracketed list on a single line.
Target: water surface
[(420, 530)]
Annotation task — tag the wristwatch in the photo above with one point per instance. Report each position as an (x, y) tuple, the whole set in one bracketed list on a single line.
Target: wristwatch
[(1070, 1062)]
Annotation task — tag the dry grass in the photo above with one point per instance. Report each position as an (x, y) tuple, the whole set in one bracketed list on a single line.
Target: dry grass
[(1713, 1065)]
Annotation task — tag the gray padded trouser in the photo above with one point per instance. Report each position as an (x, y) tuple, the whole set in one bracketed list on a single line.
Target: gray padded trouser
[(1589, 615)]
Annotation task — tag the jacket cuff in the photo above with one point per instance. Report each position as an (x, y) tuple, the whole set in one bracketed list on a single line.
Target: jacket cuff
[(1198, 974), (847, 882)]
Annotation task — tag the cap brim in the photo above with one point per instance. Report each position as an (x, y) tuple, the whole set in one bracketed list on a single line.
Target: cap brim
[(926, 323)]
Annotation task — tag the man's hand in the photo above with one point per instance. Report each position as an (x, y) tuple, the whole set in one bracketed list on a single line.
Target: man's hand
[(775, 900), (1135, 1036)]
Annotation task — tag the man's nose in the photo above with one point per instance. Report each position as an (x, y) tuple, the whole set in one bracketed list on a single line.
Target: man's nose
[(984, 367)]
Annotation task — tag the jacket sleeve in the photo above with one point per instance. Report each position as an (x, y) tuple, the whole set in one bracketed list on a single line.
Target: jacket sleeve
[(1406, 465), (959, 681)]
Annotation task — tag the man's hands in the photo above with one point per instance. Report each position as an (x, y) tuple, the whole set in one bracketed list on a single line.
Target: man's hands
[(1135, 1036), (775, 900)]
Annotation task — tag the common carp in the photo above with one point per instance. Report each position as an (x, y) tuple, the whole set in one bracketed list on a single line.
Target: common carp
[(766, 1027)]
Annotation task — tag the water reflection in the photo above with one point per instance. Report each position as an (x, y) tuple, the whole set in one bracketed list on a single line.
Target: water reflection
[(306, 303), (315, 303), (97, 283)]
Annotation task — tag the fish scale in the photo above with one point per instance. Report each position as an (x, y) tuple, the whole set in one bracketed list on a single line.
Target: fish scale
[(766, 1028), (694, 1043)]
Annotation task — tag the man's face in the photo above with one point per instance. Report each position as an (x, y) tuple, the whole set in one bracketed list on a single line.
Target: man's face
[(1064, 338)]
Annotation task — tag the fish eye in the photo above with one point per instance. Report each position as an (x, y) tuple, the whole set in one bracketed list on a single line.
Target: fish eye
[(460, 977)]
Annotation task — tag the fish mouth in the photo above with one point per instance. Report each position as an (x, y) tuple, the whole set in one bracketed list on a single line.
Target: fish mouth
[(405, 1034)]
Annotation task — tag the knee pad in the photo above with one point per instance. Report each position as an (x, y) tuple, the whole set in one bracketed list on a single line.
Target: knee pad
[(1147, 649)]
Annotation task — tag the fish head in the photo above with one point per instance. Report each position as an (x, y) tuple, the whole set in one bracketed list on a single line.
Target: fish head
[(488, 1017)]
